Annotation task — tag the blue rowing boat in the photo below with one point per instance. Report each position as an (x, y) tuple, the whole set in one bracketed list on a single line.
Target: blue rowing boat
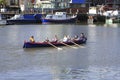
[(50, 44)]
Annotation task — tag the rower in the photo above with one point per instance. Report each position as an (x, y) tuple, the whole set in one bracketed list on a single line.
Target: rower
[(47, 40), (82, 37), (76, 38), (65, 39), (32, 39), (55, 39)]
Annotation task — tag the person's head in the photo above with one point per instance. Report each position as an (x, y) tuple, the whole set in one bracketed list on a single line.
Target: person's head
[(65, 35), (76, 36), (32, 36), (82, 34), (55, 35)]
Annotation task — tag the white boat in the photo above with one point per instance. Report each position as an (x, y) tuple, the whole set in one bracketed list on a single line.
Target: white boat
[(2, 22), (59, 17), (112, 16)]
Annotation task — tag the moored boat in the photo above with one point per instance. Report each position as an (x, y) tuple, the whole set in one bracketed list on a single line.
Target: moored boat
[(59, 17), (50, 44), (25, 19), (2, 22)]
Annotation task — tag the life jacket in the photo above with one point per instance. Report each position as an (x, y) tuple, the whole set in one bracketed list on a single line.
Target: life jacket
[(32, 40)]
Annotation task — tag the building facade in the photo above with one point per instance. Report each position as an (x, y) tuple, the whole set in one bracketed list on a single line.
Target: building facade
[(13, 3), (59, 4), (44, 4), (54, 4)]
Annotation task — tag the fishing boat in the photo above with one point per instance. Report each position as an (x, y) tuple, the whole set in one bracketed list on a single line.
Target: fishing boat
[(25, 19), (59, 17), (52, 44)]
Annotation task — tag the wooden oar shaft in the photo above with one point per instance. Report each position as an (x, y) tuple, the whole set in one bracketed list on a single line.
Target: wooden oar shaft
[(77, 44), (67, 45), (54, 46)]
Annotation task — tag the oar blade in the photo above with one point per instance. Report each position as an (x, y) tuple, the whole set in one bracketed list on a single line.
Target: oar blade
[(59, 48), (78, 45), (81, 46), (75, 47)]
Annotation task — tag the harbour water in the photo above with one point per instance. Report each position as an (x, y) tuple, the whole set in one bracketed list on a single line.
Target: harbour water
[(99, 60)]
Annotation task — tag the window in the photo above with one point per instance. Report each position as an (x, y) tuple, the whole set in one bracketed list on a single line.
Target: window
[(14, 2)]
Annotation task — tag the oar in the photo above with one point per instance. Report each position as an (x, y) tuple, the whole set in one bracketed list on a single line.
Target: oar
[(68, 45), (77, 44), (55, 46)]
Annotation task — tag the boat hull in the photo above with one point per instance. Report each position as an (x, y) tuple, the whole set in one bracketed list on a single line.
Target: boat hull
[(71, 20), (46, 44), (23, 21), (2, 22)]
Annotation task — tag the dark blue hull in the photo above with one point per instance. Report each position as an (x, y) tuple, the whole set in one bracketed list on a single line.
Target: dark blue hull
[(23, 21), (46, 44), (72, 20)]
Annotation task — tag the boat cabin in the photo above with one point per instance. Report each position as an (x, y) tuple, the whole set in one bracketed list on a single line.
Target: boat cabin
[(16, 16), (57, 15)]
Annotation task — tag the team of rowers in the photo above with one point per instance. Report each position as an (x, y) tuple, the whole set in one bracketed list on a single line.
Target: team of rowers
[(66, 38)]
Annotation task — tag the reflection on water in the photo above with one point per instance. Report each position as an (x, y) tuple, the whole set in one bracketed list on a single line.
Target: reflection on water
[(60, 73), (27, 74), (99, 60), (92, 73), (111, 25)]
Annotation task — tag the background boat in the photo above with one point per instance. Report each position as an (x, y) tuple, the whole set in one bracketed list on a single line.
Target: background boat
[(25, 19), (59, 17), (2, 22)]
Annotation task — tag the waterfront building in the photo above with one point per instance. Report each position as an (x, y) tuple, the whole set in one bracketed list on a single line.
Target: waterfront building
[(47, 5), (25, 4), (12, 4), (78, 3), (52, 4), (112, 3), (42, 4), (58, 4)]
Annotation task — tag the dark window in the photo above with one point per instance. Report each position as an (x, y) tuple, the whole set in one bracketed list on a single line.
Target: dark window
[(14, 2)]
